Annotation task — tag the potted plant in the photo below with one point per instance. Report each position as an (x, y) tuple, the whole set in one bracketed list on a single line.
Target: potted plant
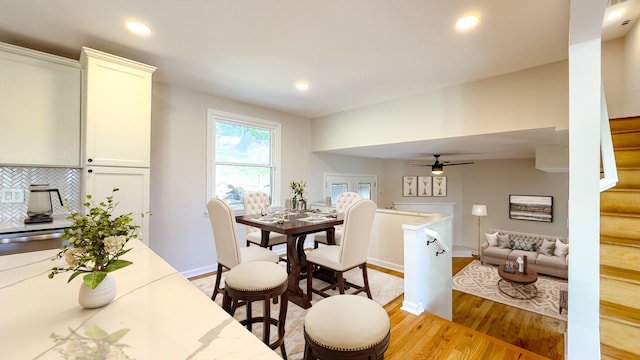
[(93, 245), (298, 196)]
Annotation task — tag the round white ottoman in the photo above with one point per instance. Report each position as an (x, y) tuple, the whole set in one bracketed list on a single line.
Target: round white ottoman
[(258, 281), (346, 327)]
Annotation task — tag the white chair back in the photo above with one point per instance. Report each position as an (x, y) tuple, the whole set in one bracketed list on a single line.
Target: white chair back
[(253, 203), (224, 232), (358, 221), (345, 199)]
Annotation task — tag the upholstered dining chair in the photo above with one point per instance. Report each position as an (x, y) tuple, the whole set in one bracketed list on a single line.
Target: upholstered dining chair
[(343, 201), (254, 203), (351, 253), (225, 236)]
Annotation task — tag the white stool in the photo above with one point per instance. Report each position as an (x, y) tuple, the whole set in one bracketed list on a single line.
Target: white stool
[(258, 281), (346, 327)]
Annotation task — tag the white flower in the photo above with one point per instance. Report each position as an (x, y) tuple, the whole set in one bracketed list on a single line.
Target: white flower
[(70, 256), (114, 243)]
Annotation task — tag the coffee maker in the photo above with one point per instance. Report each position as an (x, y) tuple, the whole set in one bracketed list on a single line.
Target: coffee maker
[(40, 207)]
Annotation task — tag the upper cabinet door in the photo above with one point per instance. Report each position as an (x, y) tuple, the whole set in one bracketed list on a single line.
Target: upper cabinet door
[(117, 111), (39, 108)]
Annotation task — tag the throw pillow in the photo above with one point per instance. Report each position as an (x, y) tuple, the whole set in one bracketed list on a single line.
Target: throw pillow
[(492, 239), (504, 242), (561, 250), (523, 245), (547, 247)]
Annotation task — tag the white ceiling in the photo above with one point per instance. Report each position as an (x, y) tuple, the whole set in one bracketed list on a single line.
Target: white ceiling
[(355, 53)]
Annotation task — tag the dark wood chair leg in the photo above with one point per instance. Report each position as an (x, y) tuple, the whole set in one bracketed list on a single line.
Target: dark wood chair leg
[(216, 287), (340, 282), (249, 316), (282, 317), (309, 280), (266, 323), (365, 276)]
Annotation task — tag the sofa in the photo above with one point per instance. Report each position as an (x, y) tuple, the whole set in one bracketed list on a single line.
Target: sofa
[(546, 254)]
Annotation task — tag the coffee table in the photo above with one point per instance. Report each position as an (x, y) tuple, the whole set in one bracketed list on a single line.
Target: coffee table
[(518, 286)]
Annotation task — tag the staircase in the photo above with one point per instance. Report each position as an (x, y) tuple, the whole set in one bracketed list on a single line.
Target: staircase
[(620, 248)]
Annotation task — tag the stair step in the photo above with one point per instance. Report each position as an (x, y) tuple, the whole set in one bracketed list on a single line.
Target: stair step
[(626, 139), (612, 240), (624, 124), (623, 314), (620, 274), (628, 179), (621, 226), (620, 336), (620, 201), (627, 158), (619, 292), (610, 353), (623, 257)]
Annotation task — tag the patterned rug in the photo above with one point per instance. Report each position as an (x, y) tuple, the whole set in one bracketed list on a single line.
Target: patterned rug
[(481, 280), (384, 288)]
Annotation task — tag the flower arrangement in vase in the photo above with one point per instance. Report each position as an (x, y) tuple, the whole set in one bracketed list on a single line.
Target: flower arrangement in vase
[(298, 195), (94, 242)]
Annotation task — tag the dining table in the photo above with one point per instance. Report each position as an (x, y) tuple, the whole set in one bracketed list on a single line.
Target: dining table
[(296, 226)]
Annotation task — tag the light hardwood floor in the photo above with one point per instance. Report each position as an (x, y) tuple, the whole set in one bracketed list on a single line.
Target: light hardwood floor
[(481, 329)]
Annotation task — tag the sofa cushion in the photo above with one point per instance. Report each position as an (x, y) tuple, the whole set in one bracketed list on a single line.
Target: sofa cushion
[(492, 239), (561, 249), (523, 245), (531, 256), (504, 242), (551, 261), (547, 247), (496, 252)]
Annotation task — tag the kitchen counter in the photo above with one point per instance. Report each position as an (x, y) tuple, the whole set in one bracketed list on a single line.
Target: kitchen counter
[(157, 314), (17, 225)]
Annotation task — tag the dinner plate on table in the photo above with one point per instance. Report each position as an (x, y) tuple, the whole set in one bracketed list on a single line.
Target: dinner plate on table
[(267, 220), (315, 219)]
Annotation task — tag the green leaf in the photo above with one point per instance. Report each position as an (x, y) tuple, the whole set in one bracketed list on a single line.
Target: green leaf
[(74, 275), (116, 336), (96, 332), (118, 264), (94, 279)]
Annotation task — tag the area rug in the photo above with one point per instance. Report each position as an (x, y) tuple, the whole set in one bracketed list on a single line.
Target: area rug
[(384, 288), (482, 280)]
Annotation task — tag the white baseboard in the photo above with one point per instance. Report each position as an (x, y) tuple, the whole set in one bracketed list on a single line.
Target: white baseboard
[(199, 271), (386, 264), (461, 251), (412, 307)]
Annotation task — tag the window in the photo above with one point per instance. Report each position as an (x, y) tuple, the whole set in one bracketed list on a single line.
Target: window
[(242, 157), (336, 184)]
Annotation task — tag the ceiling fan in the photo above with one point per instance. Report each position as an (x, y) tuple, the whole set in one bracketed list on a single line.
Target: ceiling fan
[(437, 168)]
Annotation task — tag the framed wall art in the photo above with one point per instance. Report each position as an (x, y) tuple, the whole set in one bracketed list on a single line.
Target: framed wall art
[(424, 186), (409, 185), (439, 186), (531, 207)]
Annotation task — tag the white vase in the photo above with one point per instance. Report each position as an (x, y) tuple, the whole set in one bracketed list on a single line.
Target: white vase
[(103, 294)]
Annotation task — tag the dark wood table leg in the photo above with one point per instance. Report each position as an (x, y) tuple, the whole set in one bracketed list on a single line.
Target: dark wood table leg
[(294, 246)]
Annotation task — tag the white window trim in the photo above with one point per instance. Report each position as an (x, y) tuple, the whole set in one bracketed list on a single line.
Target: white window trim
[(250, 121)]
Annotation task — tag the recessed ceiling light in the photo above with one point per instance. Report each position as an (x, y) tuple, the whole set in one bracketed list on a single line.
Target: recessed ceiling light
[(302, 85), (467, 22), (138, 28)]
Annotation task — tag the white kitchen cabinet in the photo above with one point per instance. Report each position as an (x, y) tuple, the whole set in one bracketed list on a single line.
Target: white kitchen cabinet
[(39, 108), (133, 193), (117, 111)]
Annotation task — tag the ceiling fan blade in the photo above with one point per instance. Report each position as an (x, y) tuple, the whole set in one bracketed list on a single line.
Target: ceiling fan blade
[(465, 163), (420, 165)]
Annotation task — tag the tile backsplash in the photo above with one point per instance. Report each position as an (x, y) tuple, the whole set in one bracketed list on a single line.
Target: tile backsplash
[(67, 181)]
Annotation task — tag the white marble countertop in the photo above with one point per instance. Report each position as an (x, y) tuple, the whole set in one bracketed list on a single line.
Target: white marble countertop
[(17, 225), (162, 315)]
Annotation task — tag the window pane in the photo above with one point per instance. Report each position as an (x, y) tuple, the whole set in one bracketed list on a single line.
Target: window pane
[(337, 189), (364, 189), (242, 144), (233, 181)]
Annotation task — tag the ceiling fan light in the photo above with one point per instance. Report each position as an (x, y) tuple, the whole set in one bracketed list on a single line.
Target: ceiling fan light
[(436, 169)]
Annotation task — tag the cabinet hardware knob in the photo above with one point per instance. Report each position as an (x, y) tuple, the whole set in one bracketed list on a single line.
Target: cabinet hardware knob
[(89, 171), (89, 160)]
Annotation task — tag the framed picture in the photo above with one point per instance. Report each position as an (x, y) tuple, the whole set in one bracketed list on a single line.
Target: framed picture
[(531, 207), (424, 186), (439, 186), (409, 185)]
